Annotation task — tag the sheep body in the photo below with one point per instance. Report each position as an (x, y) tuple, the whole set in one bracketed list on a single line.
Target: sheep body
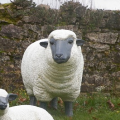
[(31, 63), (26, 112), (46, 79), (21, 112)]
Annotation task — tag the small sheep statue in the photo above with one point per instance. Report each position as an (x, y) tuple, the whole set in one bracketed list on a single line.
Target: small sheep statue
[(22, 112), (53, 68)]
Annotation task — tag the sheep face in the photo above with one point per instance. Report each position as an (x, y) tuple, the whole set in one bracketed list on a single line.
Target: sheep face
[(4, 98), (3, 103), (61, 45), (61, 49)]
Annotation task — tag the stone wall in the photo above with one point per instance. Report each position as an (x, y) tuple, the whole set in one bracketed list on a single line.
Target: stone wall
[(100, 30)]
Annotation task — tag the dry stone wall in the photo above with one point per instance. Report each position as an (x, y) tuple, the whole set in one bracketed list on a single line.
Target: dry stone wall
[(101, 51)]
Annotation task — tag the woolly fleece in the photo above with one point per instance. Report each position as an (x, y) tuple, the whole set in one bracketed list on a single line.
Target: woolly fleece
[(46, 79)]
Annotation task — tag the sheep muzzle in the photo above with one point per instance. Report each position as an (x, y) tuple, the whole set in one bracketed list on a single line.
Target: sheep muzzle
[(3, 103)]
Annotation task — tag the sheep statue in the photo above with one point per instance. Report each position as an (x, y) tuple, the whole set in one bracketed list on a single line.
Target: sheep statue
[(53, 68), (22, 112)]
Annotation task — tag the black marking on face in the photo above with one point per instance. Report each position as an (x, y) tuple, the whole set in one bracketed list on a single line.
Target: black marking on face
[(4, 100)]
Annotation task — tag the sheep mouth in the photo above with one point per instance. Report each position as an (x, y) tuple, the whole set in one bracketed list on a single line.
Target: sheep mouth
[(60, 61), (3, 107)]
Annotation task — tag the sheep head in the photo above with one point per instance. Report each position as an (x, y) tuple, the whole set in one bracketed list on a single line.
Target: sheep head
[(5, 98), (61, 43)]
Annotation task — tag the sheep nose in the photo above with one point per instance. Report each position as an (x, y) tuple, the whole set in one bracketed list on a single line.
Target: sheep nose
[(58, 55), (2, 107), (5, 105)]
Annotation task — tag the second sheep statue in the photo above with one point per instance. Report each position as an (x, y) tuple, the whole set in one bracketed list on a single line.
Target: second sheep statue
[(21, 112), (53, 68)]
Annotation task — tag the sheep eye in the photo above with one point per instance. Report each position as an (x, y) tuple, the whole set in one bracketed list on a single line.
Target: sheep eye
[(51, 42), (70, 41)]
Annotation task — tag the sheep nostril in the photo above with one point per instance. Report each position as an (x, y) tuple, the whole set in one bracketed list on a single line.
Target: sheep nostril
[(58, 55), (3, 107)]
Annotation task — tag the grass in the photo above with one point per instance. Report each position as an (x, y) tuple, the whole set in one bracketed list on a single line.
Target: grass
[(86, 107)]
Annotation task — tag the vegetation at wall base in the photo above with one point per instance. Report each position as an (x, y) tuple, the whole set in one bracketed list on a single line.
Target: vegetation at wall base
[(96, 106)]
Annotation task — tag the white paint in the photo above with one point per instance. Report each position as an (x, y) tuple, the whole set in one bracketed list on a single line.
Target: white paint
[(23, 112), (46, 79), (61, 34), (94, 4), (3, 93)]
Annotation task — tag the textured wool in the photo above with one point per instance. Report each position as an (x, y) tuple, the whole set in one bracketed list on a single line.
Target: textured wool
[(62, 34), (46, 79), (3, 93), (23, 112)]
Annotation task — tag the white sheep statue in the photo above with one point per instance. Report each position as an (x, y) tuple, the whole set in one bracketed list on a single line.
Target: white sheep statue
[(21, 112), (53, 68)]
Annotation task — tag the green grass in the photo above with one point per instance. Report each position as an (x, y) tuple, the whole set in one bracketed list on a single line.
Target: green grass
[(86, 107)]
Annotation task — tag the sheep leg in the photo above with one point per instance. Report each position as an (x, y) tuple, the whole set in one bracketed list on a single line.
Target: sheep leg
[(68, 108), (53, 103), (43, 105), (32, 100)]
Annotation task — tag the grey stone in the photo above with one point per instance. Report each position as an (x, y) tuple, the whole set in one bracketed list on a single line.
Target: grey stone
[(108, 38), (5, 58), (100, 47), (12, 31), (26, 19)]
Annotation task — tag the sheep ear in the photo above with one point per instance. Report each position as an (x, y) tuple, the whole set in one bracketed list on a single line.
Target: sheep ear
[(80, 42), (11, 97), (44, 44)]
